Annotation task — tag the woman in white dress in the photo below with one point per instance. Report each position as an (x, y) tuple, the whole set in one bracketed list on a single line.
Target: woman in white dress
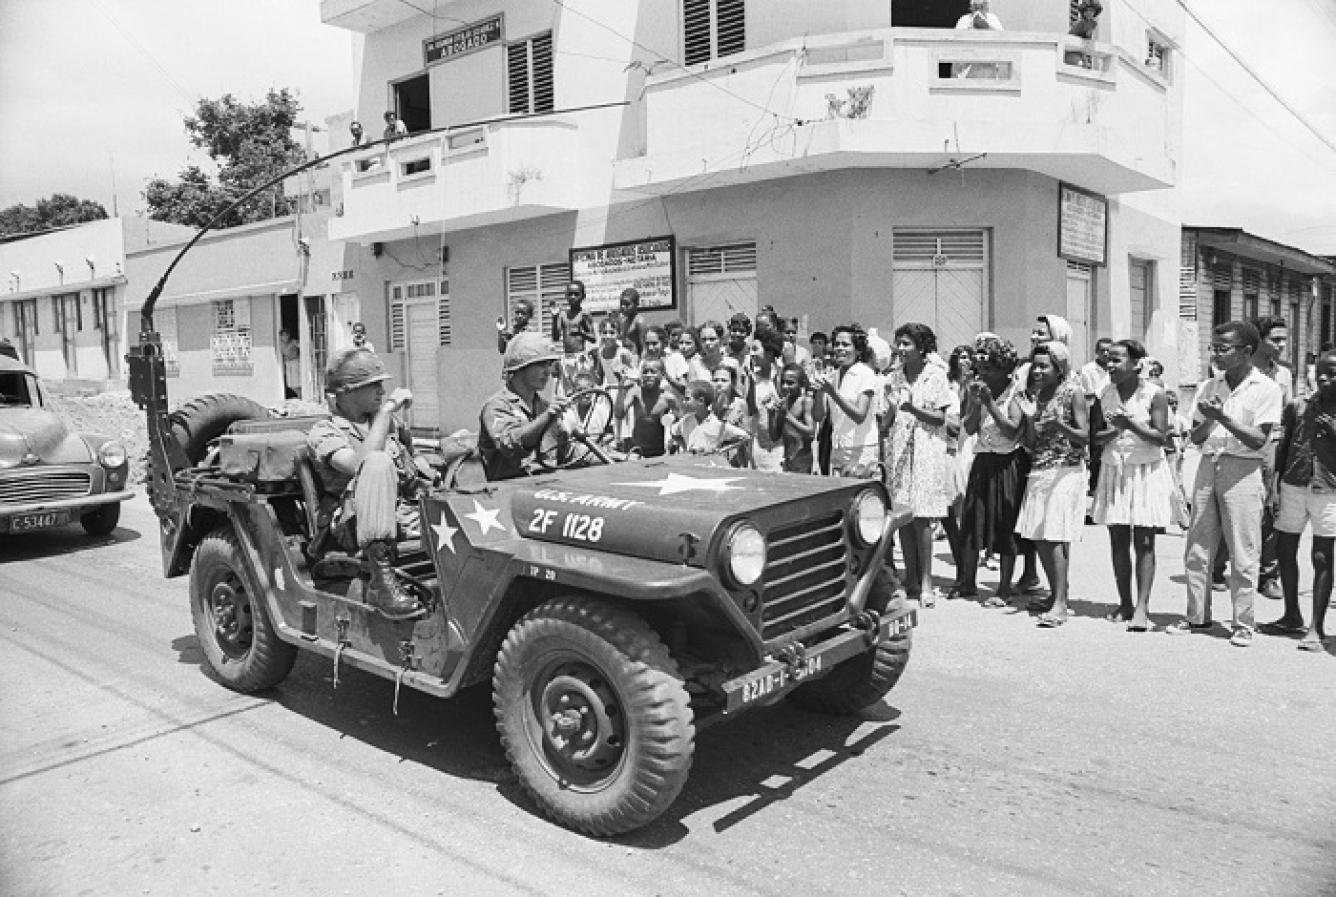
[(1132, 496)]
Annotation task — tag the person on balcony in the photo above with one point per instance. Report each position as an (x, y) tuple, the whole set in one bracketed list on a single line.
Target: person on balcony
[(358, 135), (979, 17), (1084, 27), (394, 126)]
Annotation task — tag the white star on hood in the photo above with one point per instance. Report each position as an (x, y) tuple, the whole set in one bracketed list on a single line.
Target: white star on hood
[(445, 534), (486, 518), (676, 482)]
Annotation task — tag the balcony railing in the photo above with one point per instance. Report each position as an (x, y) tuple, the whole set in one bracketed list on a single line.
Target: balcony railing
[(487, 173), (908, 97)]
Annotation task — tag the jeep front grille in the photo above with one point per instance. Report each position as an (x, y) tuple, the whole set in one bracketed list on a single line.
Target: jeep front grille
[(805, 574), (43, 484)]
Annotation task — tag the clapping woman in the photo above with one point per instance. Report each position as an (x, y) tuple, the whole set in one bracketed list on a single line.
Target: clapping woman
[(1132, 496)]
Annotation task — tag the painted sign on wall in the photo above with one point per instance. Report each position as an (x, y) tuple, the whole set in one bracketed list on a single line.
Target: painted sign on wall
[(462, 41), (649, 266), (230, 342), (1083, 225)]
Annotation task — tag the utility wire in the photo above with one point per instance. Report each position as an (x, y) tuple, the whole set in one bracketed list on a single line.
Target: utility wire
[(143, 51), (1243, 64)]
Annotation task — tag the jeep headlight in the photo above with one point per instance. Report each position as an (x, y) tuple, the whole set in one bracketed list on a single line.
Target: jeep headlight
[(111, 454), (869, 513), (745, 554)]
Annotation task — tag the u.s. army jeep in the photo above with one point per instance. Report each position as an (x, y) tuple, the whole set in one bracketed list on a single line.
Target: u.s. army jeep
[(614, 608)]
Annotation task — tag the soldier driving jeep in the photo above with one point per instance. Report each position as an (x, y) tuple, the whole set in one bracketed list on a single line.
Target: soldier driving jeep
[(365, 472)]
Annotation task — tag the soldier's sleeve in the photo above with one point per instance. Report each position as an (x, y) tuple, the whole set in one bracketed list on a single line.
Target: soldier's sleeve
[(504, 423), (324, 439)]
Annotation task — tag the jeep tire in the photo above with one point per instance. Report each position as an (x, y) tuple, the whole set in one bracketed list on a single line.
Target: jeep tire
[(198, 422), (863, 680), (233, 627), (593, 714)]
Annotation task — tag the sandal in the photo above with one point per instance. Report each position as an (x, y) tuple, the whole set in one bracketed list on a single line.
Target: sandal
[(995, 601), (1048, 621)]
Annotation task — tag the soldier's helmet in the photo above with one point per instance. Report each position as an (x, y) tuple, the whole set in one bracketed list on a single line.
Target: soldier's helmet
[(528, 348), (352, 368)]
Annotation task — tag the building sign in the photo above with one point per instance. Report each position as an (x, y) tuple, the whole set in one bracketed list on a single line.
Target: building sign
[(1083, 225), (462, 41), (230, 342), (647, 265)]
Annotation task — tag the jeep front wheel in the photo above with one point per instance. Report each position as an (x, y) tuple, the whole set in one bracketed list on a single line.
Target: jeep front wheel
[(232, 625), (593, 715), (865, 679)]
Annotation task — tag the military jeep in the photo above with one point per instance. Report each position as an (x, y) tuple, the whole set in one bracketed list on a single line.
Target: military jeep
[(613, 608)]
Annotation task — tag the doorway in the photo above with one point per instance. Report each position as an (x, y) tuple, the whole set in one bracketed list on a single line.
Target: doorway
[(940, 278), (926, 13), (412, 102), (290, 354)]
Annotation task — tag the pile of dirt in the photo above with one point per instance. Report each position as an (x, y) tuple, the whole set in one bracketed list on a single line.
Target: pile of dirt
[(115, 414), (109, 414)]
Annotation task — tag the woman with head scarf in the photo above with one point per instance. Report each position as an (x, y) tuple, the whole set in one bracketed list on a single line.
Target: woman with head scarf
[(1056, 430)]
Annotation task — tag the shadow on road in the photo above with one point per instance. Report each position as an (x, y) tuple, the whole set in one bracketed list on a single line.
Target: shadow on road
[(760, 759), (70, 539)]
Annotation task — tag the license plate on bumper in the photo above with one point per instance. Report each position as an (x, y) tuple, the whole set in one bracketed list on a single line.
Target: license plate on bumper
[(775, 678), (22, 523)]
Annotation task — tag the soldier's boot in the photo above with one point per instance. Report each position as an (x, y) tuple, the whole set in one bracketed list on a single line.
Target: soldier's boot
[(384, 592)]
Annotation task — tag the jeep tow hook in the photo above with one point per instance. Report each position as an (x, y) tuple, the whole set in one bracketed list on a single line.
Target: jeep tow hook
[(409, 652)]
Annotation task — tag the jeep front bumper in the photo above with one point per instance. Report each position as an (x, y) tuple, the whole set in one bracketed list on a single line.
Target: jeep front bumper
[(780, 675)]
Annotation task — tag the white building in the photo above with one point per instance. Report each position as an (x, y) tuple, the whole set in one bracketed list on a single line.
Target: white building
[(64, 304), (843, 160)]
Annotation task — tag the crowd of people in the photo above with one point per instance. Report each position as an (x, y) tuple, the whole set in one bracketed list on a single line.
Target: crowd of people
[(1008, 454)]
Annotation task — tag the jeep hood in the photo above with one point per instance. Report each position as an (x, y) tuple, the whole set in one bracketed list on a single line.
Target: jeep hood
[(32, 435), (664, 509)]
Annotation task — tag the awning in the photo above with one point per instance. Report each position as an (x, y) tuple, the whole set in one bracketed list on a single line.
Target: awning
[(267, 288), (97, 283)]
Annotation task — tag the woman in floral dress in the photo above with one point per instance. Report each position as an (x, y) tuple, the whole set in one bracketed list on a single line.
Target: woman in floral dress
[(1056, 428), (919, 468)]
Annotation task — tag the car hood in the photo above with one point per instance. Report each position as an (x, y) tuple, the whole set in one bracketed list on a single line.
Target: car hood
[(661, 508), (32, 435)]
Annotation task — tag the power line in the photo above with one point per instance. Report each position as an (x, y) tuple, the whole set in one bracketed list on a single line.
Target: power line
[(1275, 95), (143, 51)]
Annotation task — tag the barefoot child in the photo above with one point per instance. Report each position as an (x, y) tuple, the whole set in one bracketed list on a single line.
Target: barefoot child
[(794, 422), (1306, 461), (644, 406)]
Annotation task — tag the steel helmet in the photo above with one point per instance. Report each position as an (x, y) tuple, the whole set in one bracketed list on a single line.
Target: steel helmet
[(352, 368), (528, 348)]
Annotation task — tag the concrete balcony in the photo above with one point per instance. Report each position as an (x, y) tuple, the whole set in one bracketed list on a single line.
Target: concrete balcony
[(506, 170), (1077, 111)]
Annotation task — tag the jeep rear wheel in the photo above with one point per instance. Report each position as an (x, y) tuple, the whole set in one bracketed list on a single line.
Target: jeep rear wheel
[(863, 680), (593, 715), (232, 625)]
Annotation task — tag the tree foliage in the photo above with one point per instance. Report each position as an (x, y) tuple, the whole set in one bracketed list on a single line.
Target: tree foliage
[(57, 210), (251, 142)]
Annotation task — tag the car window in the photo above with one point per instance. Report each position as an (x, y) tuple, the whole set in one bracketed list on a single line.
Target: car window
[(18, 388)]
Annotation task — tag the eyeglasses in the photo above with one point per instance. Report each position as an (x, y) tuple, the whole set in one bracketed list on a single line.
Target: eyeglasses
[(1225, 348)]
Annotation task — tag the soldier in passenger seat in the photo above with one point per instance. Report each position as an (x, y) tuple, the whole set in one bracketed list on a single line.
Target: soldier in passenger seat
[(363, 461)]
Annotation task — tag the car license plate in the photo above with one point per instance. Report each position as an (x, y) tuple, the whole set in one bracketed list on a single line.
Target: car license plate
[(22, 523)]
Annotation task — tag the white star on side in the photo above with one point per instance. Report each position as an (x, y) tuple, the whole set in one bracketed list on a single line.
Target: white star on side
[(486, 519), (445, 534), (676, 482)]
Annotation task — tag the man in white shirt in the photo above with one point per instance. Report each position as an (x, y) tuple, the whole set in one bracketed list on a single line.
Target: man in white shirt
[(1233, 416)]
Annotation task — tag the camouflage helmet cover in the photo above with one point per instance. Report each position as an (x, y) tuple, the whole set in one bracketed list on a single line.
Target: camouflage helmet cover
[(353, 368)]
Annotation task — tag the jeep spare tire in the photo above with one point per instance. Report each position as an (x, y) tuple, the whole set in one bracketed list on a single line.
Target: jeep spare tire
[(593, 714), (200, 421)]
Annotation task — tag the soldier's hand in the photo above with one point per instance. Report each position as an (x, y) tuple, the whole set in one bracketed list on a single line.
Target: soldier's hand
[(400, 399)]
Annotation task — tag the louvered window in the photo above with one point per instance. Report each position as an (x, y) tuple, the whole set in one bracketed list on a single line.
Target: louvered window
[(543, 285), (938, 248), (529, 75), (402, 294), (721, 259), (713, 28)]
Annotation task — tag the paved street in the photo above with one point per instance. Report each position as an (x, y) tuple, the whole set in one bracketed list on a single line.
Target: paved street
[(1010, 760)]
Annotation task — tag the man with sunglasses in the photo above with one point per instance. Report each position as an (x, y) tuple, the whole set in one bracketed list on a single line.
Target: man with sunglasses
[(1233, 415)]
